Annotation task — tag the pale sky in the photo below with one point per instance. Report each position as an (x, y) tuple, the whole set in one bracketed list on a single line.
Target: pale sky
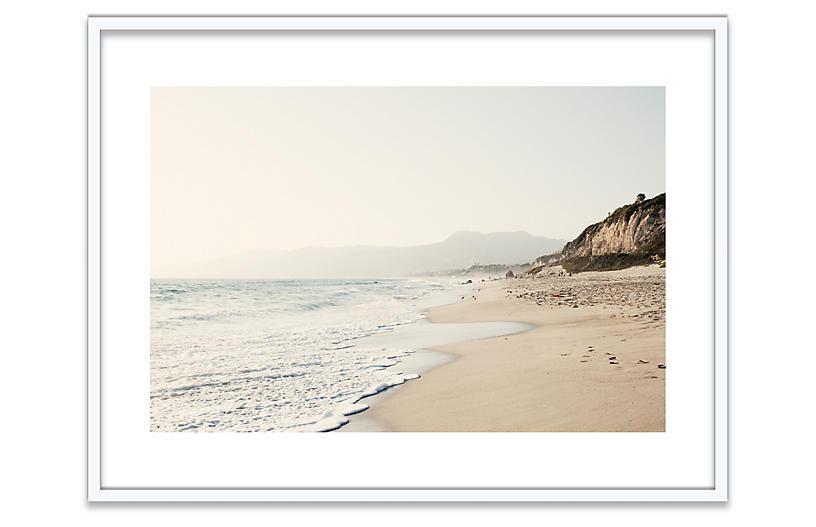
[(245, 169)]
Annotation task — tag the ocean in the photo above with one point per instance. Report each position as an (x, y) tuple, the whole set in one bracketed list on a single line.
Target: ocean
[(278, 355)]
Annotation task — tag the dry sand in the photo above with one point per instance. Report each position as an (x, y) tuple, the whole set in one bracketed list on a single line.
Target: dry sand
[(590, 368)]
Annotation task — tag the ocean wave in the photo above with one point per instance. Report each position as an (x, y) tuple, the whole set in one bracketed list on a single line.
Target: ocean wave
[(273, 355)]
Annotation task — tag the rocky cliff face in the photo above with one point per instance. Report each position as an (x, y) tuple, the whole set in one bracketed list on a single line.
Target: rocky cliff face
[(634, 234), (547, 259), (627, 230)]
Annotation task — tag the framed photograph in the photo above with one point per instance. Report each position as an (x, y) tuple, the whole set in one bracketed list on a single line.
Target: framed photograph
[(407, 259)]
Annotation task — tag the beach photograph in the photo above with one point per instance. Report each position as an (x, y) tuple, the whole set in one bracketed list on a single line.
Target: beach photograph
[(407, 259)]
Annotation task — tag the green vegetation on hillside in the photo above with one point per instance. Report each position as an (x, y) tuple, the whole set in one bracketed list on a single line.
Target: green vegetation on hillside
[(651, 252)]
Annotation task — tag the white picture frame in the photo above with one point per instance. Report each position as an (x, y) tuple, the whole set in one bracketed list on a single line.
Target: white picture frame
[(715, 25)]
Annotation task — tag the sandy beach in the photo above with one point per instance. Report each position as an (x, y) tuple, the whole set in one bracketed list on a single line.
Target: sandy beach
[(594, 360)]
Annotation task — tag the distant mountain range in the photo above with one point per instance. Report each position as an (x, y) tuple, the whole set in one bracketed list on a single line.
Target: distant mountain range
[(461, 250)]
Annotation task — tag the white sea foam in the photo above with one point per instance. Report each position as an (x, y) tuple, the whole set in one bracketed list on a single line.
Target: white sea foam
[(275, 355)]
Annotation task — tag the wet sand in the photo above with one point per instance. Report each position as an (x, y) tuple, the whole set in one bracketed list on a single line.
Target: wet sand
[(594, 360)]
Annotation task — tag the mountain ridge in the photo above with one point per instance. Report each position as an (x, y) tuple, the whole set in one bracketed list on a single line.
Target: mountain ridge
[(461, 249)]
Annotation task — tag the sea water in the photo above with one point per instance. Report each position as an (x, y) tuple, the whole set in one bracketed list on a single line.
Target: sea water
[(277, 355)]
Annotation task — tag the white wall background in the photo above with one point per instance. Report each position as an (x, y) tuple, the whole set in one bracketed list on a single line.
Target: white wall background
[(42, 268)]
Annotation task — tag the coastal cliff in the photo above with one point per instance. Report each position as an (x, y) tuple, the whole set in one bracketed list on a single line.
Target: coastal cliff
[(634, 234)]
